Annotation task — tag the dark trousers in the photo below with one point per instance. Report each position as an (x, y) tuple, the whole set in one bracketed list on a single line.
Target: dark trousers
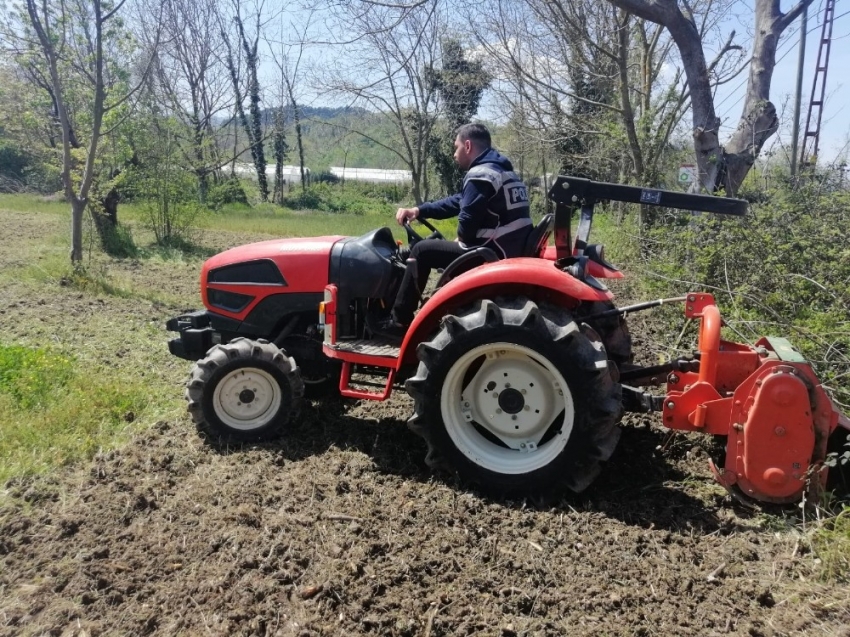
[(427, 255)]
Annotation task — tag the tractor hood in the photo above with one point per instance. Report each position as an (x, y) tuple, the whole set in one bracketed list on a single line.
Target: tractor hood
[(299, 264)]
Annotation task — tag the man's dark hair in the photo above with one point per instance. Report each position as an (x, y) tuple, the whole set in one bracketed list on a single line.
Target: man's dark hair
[(476, 133)]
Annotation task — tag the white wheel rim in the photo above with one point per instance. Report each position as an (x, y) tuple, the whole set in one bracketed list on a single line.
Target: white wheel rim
[(247, 398), (515, 395)]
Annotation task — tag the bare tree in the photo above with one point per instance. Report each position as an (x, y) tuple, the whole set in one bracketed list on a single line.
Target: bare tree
[(383, 69), (288, 56), (248, 42), (591, 78), (80, 49), (190, 80), (724, 166)]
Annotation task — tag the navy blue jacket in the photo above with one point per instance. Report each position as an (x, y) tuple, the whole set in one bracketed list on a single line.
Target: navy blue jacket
[(492, 209)]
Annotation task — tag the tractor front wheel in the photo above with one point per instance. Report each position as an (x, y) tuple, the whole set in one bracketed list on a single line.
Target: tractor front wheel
[(516, 398), (245, 390)]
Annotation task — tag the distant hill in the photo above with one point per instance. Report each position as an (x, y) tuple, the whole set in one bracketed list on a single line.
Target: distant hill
[(331, 138)]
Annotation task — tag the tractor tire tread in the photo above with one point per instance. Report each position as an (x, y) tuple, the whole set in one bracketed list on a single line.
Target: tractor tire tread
[(247, 349), (596, 435)]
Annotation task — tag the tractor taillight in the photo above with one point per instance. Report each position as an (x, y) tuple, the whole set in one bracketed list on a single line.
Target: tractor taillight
[(327, 314)]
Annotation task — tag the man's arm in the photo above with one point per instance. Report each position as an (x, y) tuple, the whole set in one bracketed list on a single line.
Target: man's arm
[(441, 209)]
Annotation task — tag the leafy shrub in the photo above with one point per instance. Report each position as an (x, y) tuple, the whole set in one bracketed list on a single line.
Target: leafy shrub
[(389, 193), (13, 165), (361, 199), (325, 177), (229, 191), (169, 200), (782, 270), (309, 199), (118, 241), (171, 221)]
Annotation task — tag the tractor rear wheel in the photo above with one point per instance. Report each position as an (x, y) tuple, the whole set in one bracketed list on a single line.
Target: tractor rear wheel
[(516, 398), (613, 330), (245, 390)]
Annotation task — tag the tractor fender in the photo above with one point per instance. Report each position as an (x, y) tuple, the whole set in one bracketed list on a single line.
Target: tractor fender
[(536, 279)]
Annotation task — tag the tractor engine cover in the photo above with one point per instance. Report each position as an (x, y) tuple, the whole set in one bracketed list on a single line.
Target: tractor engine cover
[(772, 437)]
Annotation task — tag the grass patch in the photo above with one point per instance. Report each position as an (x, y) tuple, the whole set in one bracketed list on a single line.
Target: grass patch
[(176, 250), (30, 376), (55, 410), (263, 218), (34, 203), (96, 282), (831, 543)]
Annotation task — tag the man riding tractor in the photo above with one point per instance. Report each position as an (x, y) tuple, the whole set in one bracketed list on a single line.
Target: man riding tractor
[(492, 211)]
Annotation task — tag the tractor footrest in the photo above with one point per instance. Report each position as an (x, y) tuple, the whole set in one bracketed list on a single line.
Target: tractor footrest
[(369, 353), (378, 352), (368, 347), (345, 388)]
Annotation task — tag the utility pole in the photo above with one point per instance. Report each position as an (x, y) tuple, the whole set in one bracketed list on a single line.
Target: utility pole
[(795, 135)]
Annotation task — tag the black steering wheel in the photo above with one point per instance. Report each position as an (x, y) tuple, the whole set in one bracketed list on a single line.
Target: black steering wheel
[(414, 237)]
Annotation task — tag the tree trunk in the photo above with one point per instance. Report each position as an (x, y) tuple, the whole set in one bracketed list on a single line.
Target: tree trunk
[(628, 116), (110, 206), (300, 145), (758, 121), (78, 207)]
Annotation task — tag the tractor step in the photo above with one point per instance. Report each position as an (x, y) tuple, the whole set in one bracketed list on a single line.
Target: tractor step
[(366, 353), (382, 347), (345, 388), (375, 352)]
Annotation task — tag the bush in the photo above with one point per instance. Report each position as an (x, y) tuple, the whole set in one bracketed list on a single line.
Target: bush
[(169, 200), (171, 220), (356, 199), (229, 191), (118, 241), (325, 177), (782, 270), (13, 165)]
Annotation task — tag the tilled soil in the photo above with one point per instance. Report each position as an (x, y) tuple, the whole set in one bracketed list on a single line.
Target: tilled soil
[(340, 529)]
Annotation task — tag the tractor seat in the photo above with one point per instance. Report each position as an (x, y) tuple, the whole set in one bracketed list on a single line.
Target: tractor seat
[(535, 244), (538, 238)]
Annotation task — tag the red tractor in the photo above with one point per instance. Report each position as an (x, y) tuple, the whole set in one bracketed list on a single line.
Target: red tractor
[(519, 369)]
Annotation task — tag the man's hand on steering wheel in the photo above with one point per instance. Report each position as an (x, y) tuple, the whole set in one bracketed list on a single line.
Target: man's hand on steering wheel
[(403, 215), (414, 237)]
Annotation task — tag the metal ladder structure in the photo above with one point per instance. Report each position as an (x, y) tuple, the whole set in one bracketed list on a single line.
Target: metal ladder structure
[(811, 138)]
